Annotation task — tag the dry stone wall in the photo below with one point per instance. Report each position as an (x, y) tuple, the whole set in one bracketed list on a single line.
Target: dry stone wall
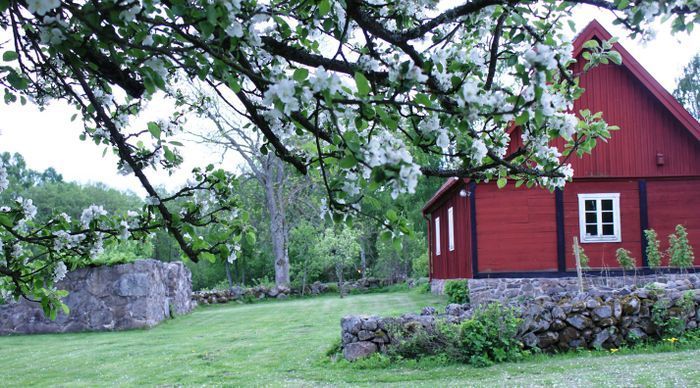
[(126, 296), (555, 321)]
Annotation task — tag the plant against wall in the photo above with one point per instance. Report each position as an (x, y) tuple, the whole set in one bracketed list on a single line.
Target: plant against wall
[(680, 252), (654, 255)]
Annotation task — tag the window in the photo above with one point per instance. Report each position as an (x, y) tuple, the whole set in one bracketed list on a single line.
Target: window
[(599, 217), (437, 236), (450, 230)]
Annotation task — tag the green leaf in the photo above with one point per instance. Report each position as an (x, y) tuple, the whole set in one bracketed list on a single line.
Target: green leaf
[(348, 161), (154, 129), (300, 74), (362, 83), (615, 57), (501, 182), (324, 7), (391, 215), (208, 257), (9, 55), (591, 44)]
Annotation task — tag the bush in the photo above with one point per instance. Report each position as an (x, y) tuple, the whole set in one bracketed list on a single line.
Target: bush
[(625, 259), (457, 291), (419, 266), (652, 250), (490, 336), (680, 252)]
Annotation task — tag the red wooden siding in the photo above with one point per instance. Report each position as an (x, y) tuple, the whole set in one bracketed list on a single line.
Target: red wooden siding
[(456, 263), (672, 203), (516, 229), (602, 255), (647, 128)]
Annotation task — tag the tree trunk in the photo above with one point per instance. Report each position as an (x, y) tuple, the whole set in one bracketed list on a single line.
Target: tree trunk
[(228, 275), (278, 229), (339, 275), (363, 259)]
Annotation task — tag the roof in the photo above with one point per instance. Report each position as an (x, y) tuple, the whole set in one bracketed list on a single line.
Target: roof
[(447, 186), (595, 30)]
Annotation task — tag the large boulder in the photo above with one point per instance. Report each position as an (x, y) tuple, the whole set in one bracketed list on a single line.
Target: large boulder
[(357, 350)]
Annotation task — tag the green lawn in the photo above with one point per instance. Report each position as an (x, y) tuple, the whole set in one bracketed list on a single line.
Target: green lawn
[(282, 343)]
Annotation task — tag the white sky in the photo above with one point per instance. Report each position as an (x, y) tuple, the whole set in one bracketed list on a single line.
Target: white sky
[(50, 139)]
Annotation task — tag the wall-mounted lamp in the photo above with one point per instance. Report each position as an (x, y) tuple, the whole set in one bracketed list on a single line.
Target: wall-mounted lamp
[(660, 159), (463, 193)]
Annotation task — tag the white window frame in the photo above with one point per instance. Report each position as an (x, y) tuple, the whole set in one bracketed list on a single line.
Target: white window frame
[(450, 229), (617, 227), (437, 236)]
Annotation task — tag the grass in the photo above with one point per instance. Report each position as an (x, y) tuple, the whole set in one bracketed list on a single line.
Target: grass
[(283, 344)]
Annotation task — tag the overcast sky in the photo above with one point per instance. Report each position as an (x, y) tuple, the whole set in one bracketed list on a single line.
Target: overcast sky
[(50, 139)]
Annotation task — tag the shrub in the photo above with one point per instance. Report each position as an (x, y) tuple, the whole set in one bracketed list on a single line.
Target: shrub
[(423, 288), (625, 259), (680, 252), (457, 291), (419, 265), (583, 259), (652, 250), (490, 336)]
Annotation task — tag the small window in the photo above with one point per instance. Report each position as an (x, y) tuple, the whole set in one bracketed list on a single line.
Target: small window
[(599, 217), (437, 236), (450, 230)]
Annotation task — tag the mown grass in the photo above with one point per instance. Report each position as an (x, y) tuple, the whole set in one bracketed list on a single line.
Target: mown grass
[(283, 344)]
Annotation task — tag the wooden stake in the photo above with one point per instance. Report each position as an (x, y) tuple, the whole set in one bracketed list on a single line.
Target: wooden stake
[(578, 265)]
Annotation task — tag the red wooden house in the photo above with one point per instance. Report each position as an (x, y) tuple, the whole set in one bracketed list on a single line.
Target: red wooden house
[(646, 176)]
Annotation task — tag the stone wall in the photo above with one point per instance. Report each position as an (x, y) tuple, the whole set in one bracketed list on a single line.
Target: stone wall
[(554, 321), (126, 296), (500, 289)]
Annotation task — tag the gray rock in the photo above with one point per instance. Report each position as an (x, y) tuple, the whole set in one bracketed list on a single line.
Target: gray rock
[(530, 340), (429, 310), (370, 323), (365, 335), (601, 312), (558, 324), (351, 324), (453, 309), (348, 338), (547, 339), (357, 350), (631, 306), (579, 322), (600, 339)]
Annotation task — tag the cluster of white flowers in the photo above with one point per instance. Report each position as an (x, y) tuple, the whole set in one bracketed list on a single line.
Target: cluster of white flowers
[(90, 213), (97, 247), (102, 97), (130, 14), (41, 7), (157, 65), (59, 272), (385, 149), (431, 125), (541, 55), (4, 181), (28, 208), (66, 240), (558, 182), (413, 73), (234, 249), (323, 80), (479, 151), (350, 185), (124, 232), (283, 91), (565, 123)]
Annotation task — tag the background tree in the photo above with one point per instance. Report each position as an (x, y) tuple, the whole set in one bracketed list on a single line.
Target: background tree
[(688, 87)]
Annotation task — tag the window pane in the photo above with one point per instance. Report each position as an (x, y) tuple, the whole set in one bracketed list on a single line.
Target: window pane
[(591, 218), (591, 204), (608, 230), (607, 216), (607, 204), (591, 230)]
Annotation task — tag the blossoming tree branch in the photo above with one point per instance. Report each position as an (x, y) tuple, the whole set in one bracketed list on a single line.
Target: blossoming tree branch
[(366, 94)]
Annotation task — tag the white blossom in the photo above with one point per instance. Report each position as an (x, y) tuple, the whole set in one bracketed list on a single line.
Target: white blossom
[(90, 213), (234, 30), (130, 14), (4, 182), (51, 35), (479, 150), (233, 255), (124, 232), (97, 247), (28, 208), (284, 92), (41, 7), (66, 240), (541, 55), (59, 272), (323, 80), (157, 65)]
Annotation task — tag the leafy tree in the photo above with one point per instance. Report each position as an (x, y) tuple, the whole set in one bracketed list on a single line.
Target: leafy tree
[(680, 252), (365, 97), (339, 248), (688, 87), (624, 258), (653, 252)]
